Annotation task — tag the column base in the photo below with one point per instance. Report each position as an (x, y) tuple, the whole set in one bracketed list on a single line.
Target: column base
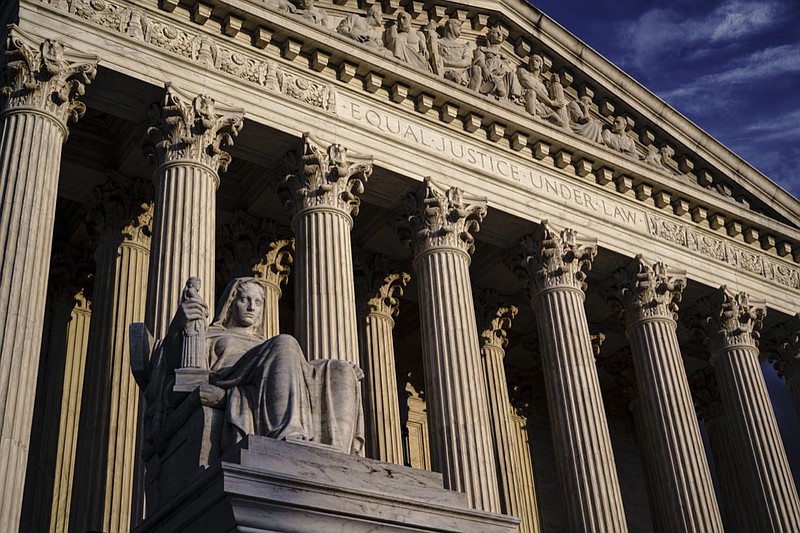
[(270, 485)]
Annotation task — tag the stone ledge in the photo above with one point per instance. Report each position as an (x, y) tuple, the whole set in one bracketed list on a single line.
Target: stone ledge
[(271, 485)]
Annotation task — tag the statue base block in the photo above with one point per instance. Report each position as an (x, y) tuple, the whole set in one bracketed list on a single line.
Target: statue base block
[(271, 485), (188, 379)]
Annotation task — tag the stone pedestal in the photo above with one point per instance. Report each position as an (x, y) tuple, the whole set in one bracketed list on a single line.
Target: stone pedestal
[(43, 81), (119, 220), (731, 322), (439, 223), (378, 293), (649, 295), (493, 322), (185, 143), (321, 191), (272, 485), (552, 265)]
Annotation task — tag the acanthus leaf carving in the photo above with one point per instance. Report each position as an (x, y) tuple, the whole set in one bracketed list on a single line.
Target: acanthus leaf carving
[(45, 76), (551, 258), (275, 266), (494, 319), (379, 287), (782, 346), (706, 393), (121, 210), (323, 175), (731, 319), (441, 218), (192, 128), (648, 290)]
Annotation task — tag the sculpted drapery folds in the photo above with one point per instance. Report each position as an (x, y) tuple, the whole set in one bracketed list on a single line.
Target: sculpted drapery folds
[(406, 43), (551, 258), (441, 218), (498, 75), (322, 176), (451, 56), (617, 140), (581, 120), (192, 128), (45, 76), (543, 100), (366, 30), (731, 319)]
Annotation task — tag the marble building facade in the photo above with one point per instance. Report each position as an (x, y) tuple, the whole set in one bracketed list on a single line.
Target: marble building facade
[(551, 280)]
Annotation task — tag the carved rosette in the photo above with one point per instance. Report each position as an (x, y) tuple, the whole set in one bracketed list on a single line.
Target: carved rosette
[(438, 218), (192, 128), (45, 77), (494, 320), (121, 210), (379, 287), (323, 176), (731, 320), (647, 290), (554, 259), (783, 347), (275, 266)]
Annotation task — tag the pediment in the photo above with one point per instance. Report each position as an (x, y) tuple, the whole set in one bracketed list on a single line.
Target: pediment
[(563, 116)]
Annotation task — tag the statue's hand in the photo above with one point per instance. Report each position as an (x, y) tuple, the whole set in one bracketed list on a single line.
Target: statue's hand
[(212, 396), (189, 310)]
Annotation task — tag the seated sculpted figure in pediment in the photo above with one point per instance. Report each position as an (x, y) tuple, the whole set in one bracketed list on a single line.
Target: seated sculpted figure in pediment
[(543, 99), (451, 56), (497, 71), (308, 11), (263, 386), (366, 30), (616, 138), (581, 120), (406, 43)]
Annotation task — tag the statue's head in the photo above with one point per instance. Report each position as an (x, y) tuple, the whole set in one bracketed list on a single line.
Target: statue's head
[(403, 21), (536, 62), (452, 28), (241, 305), (375, 15)]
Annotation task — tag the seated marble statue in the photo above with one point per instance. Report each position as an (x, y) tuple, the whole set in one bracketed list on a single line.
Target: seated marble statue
[(366, 30), (265, 386), (451, 56), (497, 73), (582, 122), (618, 140), (308, 11), (543, 99), (406, 43)]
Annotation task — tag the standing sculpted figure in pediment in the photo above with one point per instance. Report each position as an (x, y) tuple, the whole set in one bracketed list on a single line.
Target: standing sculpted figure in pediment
[(451, 56), (366, 30), (618, 140), (582, 122), (544, 100), (497, 70), (406, 43)]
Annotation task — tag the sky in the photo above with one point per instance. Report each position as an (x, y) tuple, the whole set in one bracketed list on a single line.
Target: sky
[(730, 66)]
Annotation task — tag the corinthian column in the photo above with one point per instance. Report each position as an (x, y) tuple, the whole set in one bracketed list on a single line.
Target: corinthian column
[(185, 142), (731, 322), (119, 220), (494, 321), (439, 224), (552, 265), (784, 351), (378, 293), (272, 270), (40, 84), (649, 295), (321, 191)]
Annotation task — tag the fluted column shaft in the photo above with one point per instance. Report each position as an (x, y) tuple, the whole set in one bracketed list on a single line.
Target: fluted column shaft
[(43, 82), (439, 223), (107, 429), (731, 322), (552, 265), (732, 504), (325, 301), (77, 341), (649, 295), (185, 143), (321, 190), (271, 316), (529, 507)]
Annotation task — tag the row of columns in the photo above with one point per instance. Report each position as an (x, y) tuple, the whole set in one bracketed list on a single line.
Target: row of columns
[(466, 390)]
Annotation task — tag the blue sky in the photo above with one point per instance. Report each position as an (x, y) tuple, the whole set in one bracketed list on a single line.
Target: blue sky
[(731, 66)]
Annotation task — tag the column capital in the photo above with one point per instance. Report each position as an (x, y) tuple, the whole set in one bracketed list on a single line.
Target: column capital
[(120, 211), (45, 77), (648, 290), (192, 129), (707, 399), (324, 175), (731, 319), (552, 258), (378, 288), (620, 367), (274, 267), (494, 320), (441, 218), (782, 346)]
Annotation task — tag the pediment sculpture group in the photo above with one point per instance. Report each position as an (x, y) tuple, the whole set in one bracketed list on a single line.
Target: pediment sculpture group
[(484, 67)]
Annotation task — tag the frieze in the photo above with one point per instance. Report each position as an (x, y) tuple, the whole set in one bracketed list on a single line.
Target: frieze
[(722, 251), (204, 50)]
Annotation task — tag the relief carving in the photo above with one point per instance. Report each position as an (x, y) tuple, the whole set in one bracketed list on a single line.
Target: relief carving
[(581, 120), (311, 13), (616, 138), (544, 100), (451, 56), (497, 70), (783, 347), (365, 30), (120, 210), (730, 319), (649, 290), (406, 43)]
